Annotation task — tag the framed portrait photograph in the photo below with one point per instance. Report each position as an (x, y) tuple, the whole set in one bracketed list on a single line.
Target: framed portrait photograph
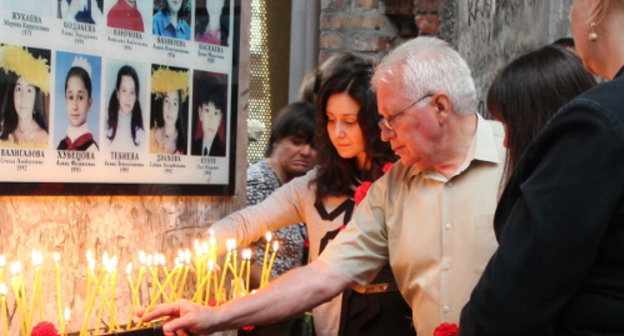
[(119, 97)]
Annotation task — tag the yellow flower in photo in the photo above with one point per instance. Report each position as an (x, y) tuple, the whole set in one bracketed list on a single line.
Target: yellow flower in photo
[(166, 80), (19, 61)]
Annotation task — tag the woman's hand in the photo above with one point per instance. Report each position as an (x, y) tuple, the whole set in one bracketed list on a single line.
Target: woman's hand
[(183, 318)]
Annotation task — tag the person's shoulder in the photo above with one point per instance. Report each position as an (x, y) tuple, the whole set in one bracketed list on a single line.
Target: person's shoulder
[(604, 101)]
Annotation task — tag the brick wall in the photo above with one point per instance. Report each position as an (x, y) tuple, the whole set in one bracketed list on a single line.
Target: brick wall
[(370, 28)]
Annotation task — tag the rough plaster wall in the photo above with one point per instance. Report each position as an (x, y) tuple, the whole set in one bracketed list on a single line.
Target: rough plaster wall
[(490, 33), (121, 225)]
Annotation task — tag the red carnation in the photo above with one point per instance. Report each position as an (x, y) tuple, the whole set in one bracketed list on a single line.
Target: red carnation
[(44, 329), (360, 191), (446, 329), (386, 167)]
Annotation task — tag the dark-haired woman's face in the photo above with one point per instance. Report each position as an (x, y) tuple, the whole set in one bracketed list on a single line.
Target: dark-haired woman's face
[(24, 98), (78, 101), (295, 155), (126, 94), (171, 104), (343, 127), (210, 117)]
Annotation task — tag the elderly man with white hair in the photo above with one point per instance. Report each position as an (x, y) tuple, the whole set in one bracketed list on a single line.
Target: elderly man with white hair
[(430, 216)]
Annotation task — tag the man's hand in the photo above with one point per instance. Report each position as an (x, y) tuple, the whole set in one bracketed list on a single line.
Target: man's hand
[(183, 318)]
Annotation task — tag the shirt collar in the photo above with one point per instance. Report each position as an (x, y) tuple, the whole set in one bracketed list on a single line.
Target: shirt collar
[(180, 26), (483, 148)]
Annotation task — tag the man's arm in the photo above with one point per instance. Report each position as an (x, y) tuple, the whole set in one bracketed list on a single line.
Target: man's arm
[(291, 294)]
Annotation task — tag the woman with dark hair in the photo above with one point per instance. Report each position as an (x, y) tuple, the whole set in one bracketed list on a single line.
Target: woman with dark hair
[(169, 20), (78, 100), (351, 153), (168, 134), (559, 264), (24, 124), (212, 21), (528, 92), (210, 105), (125, 119)]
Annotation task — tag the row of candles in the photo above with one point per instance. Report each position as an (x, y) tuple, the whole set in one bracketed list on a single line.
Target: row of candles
[(195, 276)]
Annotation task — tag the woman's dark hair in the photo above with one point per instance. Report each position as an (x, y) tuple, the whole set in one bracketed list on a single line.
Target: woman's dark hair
[(209, 89), (293, 120), (336, 175), (10, 121), (313, 81), (158, 119), (528, 92), (202, 19), (82, 74), (113, 105)]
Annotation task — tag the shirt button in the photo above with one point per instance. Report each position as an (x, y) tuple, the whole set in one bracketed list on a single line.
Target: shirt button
[(446, 308), (448, 226)]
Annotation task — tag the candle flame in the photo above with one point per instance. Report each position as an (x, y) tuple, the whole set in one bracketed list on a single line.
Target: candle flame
[(129, 269), (2, 260), (37, 258), (268, 236), (3, 289), (142, 257), (56, 257), (149, 260), (90, 255), (275, 246), (187, 256), (211, 265), (91, 264), (16, 268), (67, 314), (161, 259), (231, 244), (247, 254), (105, 259)]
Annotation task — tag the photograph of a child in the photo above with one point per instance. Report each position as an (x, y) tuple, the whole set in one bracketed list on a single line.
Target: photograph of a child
[(77, 102), (24, 96), (169, 110), (171, 18), (127, 14), (83, 11), (124, 119), (209, 114), (212, 21)]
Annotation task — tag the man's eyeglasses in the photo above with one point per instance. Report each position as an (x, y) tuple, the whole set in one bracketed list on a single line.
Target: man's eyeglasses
[(387, 122)]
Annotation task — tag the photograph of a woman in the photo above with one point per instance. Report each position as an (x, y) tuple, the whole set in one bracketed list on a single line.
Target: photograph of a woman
[(83, 11), (25, 80), (209, 113), (125, 128), (212, 21), (169, 117), (171, 18), (80, 99)]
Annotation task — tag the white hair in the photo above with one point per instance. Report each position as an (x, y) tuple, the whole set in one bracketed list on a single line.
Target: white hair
[(430, 65)]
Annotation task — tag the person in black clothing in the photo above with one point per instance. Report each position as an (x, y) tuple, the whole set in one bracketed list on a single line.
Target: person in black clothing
[(559, 266)]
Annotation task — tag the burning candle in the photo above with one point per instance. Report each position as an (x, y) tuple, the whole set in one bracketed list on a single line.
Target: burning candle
[(268, 236), (17, 285), (247, 258), (36, 298), (67, 317), (273, 254), (57, 267)]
